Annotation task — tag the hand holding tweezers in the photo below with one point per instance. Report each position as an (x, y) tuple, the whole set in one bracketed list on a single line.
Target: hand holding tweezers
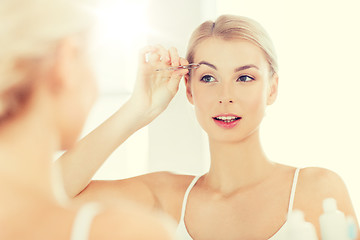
[(189, 66)]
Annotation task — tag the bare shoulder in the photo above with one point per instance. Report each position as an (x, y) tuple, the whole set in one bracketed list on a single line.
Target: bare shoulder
[(321, 182), (169, 189), (154, 190), (167, 185), (167, 180), (153, 181), (316, 184)]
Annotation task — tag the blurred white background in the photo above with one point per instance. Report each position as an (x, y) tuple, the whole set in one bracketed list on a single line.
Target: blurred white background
[(315, 121)]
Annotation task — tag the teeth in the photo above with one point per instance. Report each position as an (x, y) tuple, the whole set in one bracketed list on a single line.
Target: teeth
[(227, 118)]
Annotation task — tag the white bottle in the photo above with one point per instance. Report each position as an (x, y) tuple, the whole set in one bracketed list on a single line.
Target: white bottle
[(333, 224), (299, 229)]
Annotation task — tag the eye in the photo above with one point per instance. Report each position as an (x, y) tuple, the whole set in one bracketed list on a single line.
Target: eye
[(207, 79), (245, 78)]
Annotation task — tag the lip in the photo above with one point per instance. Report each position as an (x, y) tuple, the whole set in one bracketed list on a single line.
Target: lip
[(224, 124)]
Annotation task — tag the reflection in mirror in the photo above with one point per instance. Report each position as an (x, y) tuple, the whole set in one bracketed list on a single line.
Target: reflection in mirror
[(314, 121)]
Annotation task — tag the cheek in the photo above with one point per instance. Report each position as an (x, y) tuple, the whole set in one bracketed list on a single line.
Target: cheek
[(254, 103), (203, 102), (203, 98)]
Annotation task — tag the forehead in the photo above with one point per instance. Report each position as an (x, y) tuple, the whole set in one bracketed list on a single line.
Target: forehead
[(230, 53)]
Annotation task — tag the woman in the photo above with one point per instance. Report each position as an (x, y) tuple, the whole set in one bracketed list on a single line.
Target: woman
[(46, 91), (244, 195)]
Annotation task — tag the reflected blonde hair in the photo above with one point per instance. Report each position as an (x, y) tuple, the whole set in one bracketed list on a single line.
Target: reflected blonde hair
[(30, 31), (230, 27)]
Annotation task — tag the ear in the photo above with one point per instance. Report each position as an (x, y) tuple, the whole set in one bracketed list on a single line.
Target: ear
[(188, 88), (273, 89)]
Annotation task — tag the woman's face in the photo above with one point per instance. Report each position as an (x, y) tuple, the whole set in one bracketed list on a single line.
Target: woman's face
[(231, 88)]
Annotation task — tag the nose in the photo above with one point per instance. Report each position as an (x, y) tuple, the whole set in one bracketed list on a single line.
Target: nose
[(226, 94)]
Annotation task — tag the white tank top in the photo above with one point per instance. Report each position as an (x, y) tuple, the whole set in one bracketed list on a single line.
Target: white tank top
[(83, 220), (183, 234)]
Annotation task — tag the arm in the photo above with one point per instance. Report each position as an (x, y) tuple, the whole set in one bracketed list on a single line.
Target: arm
[(153, 92)]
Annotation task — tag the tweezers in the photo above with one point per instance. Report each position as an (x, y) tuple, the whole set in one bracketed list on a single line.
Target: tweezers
[(189, 66)]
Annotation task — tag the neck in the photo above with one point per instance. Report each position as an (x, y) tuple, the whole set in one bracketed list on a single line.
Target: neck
[(236, 165), (26, 151)]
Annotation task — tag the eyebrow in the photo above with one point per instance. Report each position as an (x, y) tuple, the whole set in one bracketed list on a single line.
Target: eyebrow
[(238, 69), (207, 64), (246, 67)]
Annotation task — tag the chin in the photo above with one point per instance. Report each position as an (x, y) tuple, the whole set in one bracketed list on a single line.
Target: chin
[(231, 136), (229, 140)]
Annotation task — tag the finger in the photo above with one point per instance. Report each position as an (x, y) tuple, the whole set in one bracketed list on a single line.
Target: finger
[(164, 54), (173, 84), (176, 77), (174, 56), (181, 72), (183, 61), (154, 58), (143, 53)]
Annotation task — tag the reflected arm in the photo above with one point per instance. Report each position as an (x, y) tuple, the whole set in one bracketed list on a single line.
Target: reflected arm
[(79, 164), (152, 93)]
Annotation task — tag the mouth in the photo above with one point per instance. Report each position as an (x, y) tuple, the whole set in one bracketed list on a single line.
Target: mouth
[(226, 120)]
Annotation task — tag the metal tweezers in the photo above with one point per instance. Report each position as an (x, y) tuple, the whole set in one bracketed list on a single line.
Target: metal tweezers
[(189, 66)]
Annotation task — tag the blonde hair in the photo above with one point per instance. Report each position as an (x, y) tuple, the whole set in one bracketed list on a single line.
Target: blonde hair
[(230, 27), (30, 31)]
